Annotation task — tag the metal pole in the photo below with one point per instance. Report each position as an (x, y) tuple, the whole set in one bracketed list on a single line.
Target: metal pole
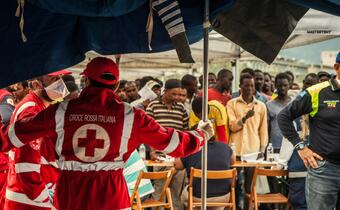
[(206, 25)]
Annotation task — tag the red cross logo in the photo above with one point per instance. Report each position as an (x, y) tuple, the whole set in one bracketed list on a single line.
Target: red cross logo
[(90, 143)]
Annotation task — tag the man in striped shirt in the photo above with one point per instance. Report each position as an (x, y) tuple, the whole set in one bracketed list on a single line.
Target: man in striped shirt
[(169, 113)]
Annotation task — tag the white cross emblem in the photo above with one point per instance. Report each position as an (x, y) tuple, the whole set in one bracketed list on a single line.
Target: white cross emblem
[(90, 143)]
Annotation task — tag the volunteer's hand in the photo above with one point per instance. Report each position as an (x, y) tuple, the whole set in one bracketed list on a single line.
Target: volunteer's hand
[(206, 128), (309, 157)]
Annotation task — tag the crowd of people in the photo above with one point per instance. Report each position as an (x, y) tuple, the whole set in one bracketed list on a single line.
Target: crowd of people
[(245, 120), (60, 136)]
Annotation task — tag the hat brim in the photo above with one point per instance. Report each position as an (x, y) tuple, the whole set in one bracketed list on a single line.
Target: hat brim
[(61, 72)]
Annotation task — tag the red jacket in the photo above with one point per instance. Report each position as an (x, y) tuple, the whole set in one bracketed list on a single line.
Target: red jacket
[(93, 136), (30, 166)]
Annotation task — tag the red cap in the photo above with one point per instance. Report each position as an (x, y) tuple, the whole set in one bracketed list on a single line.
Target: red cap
[(100, 69), (61, 72)]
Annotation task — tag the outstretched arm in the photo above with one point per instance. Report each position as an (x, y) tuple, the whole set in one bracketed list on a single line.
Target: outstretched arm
[(28, 129)]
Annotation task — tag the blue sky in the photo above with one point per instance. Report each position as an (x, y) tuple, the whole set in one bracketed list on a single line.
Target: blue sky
[(311, 53)]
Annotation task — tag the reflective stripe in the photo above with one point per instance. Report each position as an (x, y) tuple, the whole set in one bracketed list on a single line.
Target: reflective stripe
[(59, 126), (173, 144), (97, 166), (27, 167), (43, 195), (127, 129), (13, 137), (197, 134), (22, 198), (11, 155), (11, 132), (314, 93), (43, 161), (297, 174), (22, 108)]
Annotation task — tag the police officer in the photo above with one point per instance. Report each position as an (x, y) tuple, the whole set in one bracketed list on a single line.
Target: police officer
[(94, 135), (322, 155)]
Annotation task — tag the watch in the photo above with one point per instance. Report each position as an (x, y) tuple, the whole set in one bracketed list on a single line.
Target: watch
[(300, 146)]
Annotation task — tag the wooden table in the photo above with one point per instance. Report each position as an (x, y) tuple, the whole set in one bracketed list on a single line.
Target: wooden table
[(150, 163), (243, 164), (237, 164)]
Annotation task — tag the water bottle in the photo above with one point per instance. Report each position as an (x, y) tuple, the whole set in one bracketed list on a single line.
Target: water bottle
[(270, 152), (142, 151)]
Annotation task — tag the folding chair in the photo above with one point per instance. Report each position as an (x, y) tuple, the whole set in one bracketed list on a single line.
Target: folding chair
[(165, 199), (257, 199), (220, 174)]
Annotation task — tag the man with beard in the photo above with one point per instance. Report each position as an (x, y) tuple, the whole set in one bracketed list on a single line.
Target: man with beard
[(32, 168), (21, 90)]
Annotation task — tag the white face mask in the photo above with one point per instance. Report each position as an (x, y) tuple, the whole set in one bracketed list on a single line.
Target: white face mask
[(57, 90)]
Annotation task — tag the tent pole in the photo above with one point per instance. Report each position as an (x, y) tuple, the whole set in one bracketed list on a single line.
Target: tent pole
[(206, 25)]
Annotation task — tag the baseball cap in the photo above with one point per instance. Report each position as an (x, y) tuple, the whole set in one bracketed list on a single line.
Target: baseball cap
[(337, 60), (102, 70), (152, 84), (61, 72), (323, 74), (172, 83)]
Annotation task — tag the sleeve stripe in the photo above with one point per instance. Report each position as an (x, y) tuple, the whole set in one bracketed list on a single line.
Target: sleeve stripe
[(127, 129), (43, 195), (173, 144), (22, 198), (11, 132), (195, 133), (13, 137), (27, 167), (59, 121)]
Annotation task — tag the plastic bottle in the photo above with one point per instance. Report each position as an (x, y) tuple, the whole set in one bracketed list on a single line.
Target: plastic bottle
[(142, 151), (270, 152)]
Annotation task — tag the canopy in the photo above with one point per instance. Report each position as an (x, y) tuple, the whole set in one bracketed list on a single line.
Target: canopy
[(314, 26), (59, 33)]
